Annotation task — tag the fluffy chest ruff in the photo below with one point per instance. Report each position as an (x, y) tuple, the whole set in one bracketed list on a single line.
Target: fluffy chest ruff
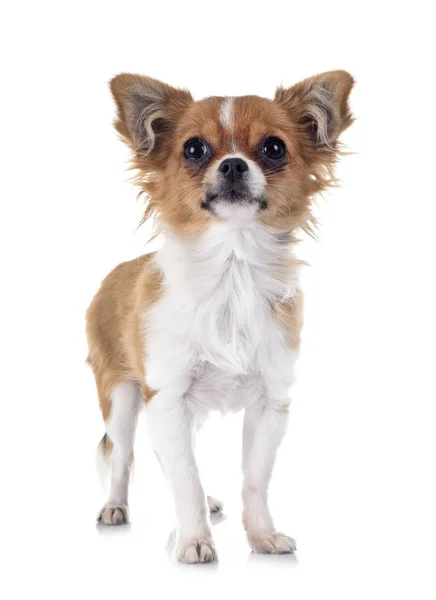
[(216, 333)]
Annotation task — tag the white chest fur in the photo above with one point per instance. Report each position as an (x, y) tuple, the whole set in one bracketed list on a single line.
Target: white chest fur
[(212, 335)]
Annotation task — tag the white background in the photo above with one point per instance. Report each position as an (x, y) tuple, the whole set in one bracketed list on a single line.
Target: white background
[(354, 482)]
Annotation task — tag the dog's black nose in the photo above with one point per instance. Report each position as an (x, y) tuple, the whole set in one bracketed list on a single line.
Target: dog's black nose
[(233, 168)]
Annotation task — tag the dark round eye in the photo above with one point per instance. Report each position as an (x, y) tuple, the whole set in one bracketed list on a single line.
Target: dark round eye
[(194, 149), (273, 148)]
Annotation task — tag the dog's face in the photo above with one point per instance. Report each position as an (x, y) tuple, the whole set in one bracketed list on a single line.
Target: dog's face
[(233, 159)]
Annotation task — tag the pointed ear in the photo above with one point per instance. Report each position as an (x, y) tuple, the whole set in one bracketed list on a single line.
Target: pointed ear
[(319, 106), (147, 110)]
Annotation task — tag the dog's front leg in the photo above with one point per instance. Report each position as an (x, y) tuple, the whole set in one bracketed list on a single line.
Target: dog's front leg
[(264, 428), (172, 431)]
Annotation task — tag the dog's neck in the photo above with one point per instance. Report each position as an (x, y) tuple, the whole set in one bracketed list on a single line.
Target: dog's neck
[(224, 289), (228, 258)]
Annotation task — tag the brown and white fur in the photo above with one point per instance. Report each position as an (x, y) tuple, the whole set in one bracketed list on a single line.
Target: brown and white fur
[(212, 320)]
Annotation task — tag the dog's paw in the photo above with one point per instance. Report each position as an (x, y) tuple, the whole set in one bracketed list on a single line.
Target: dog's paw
[(196, 551), (214, 504), (113, 514), (271, 542)]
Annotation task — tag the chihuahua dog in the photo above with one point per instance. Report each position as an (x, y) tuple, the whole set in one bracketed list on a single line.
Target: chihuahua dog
[(212, 320)]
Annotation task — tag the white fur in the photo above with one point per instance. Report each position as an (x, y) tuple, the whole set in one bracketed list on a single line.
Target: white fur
[(320, 105), (264, 429), (226, 114), (212, 343), (120, 427)]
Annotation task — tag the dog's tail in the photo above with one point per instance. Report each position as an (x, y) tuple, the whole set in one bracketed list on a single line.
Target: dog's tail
[(104, 450), (102, 459)]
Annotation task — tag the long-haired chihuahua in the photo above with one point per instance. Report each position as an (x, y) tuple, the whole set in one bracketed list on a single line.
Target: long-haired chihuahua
[(212, 320)]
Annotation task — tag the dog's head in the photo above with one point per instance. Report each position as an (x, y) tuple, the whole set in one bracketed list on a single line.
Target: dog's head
[(225, 158)]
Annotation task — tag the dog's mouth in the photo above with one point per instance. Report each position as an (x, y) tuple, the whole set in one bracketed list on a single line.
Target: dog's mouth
[(211, 199)]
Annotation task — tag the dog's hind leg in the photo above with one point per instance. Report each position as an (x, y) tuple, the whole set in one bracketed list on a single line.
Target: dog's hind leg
[(125, 401)]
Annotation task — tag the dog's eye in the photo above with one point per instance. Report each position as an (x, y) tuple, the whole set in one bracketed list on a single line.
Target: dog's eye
[(273, 148), (195, 149)]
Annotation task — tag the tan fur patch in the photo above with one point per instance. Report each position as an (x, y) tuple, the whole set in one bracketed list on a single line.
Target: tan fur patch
[(106, 446), (115, 340), (289, 315)]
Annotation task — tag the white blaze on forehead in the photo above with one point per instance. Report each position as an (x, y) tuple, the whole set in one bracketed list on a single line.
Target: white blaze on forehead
[(226, 115)]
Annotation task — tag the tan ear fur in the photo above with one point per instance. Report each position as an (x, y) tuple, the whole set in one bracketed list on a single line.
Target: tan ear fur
[(319, 106), (147, 111)]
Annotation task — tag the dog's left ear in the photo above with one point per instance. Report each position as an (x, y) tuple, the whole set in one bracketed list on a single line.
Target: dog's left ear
[(319, 107)]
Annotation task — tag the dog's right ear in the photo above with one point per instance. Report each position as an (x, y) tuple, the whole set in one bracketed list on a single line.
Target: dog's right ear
[(147, 111)]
